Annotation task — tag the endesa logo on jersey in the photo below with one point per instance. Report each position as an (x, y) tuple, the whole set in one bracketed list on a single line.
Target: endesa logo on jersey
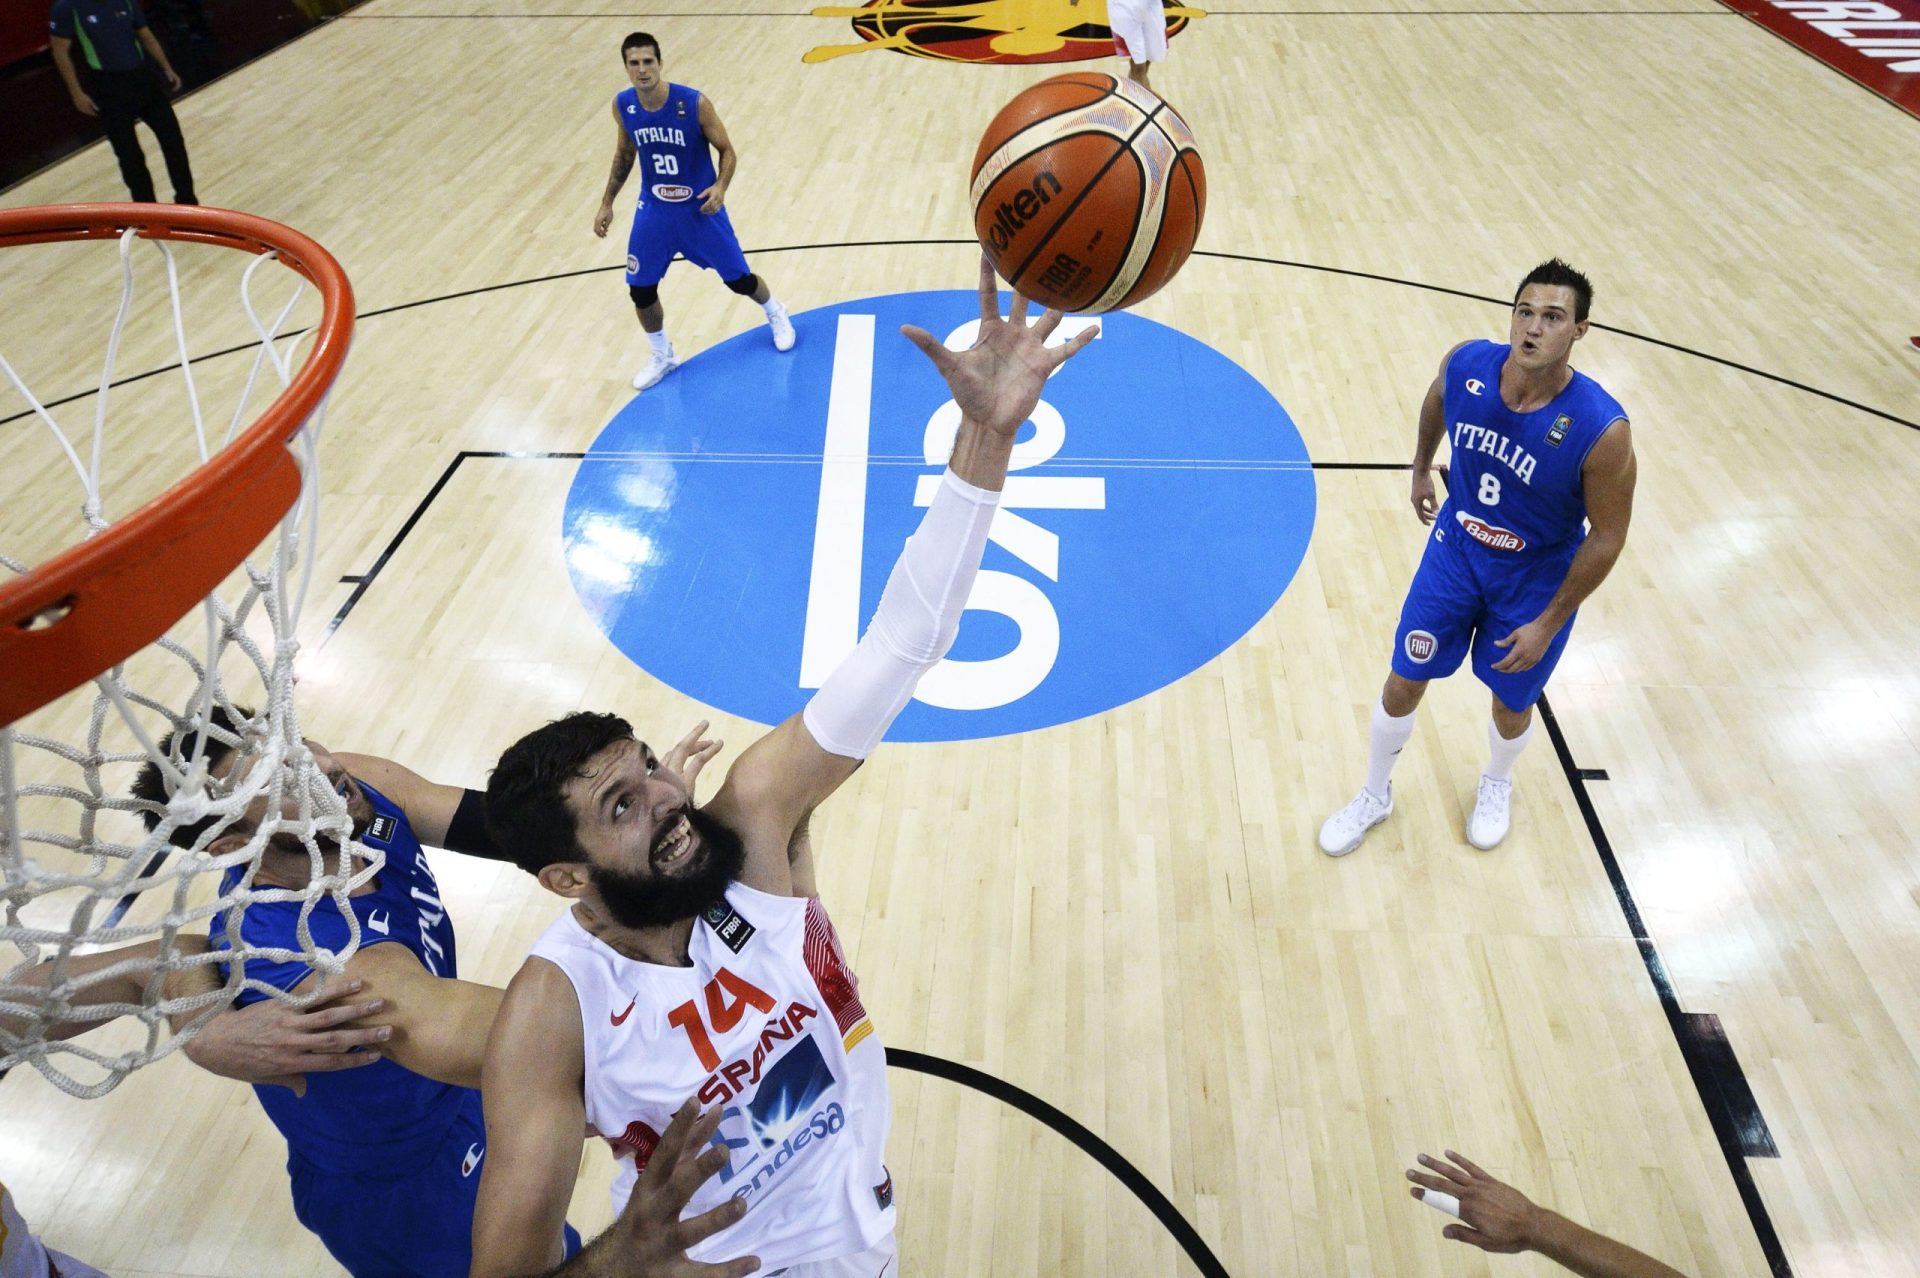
[(672, 194), (732, 528), (1492, 536)]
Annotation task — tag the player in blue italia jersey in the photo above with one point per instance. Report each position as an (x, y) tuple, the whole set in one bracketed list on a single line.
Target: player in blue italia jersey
[(383, 1159), (1540, 492), (668, 129)]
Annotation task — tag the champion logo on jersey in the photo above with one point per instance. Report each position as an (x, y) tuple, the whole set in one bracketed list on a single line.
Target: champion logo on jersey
[(475, 1153), (382, 827), (1475, 386), (381, 922), (1558, 431)]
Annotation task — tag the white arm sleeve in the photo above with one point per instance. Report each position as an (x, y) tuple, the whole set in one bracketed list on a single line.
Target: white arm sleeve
[(913, 627)]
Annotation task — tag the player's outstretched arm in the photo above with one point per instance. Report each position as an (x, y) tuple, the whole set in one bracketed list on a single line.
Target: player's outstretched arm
[(1497, 1217), (1607, 479), (439, 1025), (649, 1240), (442, 816), (531, 1090), (784, 775), (267, 1042)]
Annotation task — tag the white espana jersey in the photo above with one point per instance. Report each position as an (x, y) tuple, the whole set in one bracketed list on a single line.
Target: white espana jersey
[(766, 1022)]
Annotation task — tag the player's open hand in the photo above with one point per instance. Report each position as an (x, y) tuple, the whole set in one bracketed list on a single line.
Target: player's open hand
[(1525, 646), (269, 1042), (999, 380), (1496, 1216), (712, 198), (1426, 503), (690, 754), (602, 220), (653, 1240)]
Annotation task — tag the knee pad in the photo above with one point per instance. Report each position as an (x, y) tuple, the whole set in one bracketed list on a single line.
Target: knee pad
[(746, 286), (644, 295)]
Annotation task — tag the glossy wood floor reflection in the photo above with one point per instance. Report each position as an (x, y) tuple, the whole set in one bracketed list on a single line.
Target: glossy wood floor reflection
[(1127, 916)]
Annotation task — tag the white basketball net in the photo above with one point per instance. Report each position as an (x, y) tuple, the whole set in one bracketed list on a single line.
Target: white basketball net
[(80, 872)]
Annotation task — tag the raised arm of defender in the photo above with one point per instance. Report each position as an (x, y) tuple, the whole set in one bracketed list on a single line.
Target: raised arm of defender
[(784, 775)]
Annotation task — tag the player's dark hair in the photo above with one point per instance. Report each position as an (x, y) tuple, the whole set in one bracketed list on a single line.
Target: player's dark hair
[(150, 787), (640, 40), (526, 808), (1556, 273)]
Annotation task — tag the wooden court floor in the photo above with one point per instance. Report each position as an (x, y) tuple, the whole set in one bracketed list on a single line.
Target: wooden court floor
[(1126, 916)]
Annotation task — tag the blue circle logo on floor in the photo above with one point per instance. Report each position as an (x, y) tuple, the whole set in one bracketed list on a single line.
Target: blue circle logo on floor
[(732, 528)]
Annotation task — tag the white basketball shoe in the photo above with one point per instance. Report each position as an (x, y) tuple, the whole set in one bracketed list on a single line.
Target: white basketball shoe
[(1344, 829), (659, 368), (1490, 819), (782, 328)]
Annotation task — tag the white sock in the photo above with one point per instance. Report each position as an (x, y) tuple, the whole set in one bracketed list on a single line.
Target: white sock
[(1505, 753), (771, 306), (1388, 737), (661, 346)]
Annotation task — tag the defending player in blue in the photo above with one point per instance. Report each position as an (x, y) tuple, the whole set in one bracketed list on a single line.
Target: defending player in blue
[(668, 128), (384, 1158), (1539, 497)]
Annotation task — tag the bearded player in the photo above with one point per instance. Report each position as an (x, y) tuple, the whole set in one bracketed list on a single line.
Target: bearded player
[(696, 960), (669, 129), (1539, 497)]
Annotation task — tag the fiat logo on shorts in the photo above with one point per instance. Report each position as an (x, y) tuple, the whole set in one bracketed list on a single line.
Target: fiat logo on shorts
[(633, 264), (1420, 645)]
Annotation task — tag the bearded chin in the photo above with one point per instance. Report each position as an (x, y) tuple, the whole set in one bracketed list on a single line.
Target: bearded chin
[(650, 900)]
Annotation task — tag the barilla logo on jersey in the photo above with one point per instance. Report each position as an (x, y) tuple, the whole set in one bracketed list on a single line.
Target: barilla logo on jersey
[(672, 194), (743, 1072), (1558, 431), (1036, 31), (1489, 535), (1420, 646)]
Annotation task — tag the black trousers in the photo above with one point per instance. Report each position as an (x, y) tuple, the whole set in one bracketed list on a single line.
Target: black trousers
[(125, 97)]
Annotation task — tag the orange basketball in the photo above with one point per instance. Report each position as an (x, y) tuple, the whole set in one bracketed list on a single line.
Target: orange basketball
[(1088, 192)]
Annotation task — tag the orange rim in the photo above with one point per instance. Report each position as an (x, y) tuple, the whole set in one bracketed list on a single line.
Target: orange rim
[(95, 604)]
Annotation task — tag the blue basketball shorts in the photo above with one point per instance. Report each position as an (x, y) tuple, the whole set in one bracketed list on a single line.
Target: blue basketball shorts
[(415, 1225), (1465, 598), (661, 230)]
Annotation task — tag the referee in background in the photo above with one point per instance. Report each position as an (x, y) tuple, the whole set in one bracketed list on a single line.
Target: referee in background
[(124, 66)]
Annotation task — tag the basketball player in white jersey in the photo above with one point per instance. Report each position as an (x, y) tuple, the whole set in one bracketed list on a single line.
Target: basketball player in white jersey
[(696, 960), (1139, 34)]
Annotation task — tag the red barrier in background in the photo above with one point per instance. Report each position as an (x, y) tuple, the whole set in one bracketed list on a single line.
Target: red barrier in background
[(1873, 42)]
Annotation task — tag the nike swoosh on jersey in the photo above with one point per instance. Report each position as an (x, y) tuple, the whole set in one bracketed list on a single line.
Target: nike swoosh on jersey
[(621, 1019)]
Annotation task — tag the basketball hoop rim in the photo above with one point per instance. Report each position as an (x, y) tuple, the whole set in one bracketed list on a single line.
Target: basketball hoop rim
[(104, 599)]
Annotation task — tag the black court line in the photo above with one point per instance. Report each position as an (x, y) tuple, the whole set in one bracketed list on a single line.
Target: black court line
[(1106, 1155), (900, 243), (1717, 1076), (362, 582), (1507, 304)]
